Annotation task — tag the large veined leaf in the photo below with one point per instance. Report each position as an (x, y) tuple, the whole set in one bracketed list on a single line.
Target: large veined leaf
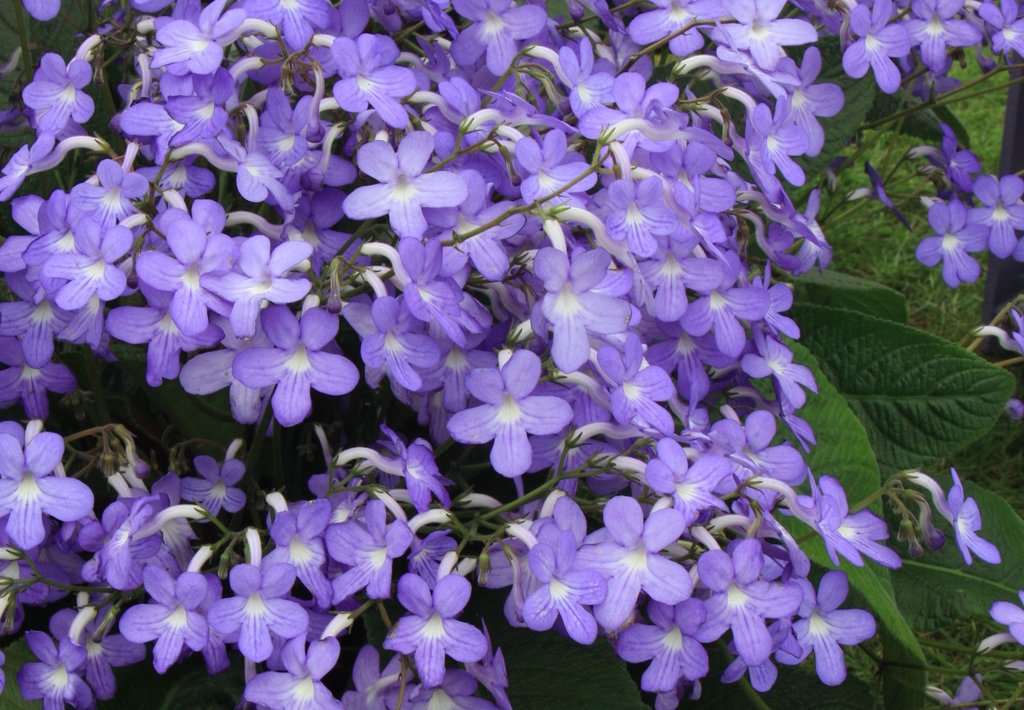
[(843, 451), (839, 290), (939, 586), (919, 397), (16, 655)]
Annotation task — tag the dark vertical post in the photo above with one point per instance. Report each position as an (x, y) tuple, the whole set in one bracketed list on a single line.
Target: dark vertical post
[(1005, 277)]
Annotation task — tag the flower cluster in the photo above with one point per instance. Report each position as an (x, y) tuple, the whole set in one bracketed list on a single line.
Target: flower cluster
[(549, 242)]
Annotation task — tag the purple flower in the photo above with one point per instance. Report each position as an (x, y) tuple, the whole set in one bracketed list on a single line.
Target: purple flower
[(419, 470), (824, 626), (89, 269), (809, 101), (741, 600), (509, 412), (30, 490), (155, 327), (260, 276), (55, 678), (551, 168), (750, 445), (692, 487), (262, 605), (775, 360), (626, 551), (392, 342), (668, 20), (1005, 18), (966, 520), (404, 189), (1010, 615), (102, 656), (296, 363), (637, 214), (573, 305), (201, 252), (431, 631), (933, 25), (21, 381), (215, 490), (42, 10), (298, 19), (720, 310), (497, 24), (300, 686), (758, 30), (194, 47), (1001, 211), (668, 643), (849, 535), (111, 200), (174, 620), (878, 43), (368, 550), (368, 77), (564, 589), (637, 388), (588, 88), (969, 691), (56, 93), (956, 236), (375, 689), (298, 536), (773, 139)]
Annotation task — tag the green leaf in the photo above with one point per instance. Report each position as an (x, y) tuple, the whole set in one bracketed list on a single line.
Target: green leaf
[(795, 689), (919, 397), (939, 587), (186, 685), (841, 128), (839, 290), (17, 654), (843, 451), (546, 670)]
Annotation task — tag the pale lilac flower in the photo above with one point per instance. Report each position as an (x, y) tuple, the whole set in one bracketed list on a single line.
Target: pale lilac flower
[(934, 25), (262, 606), (824, 626), (375, 688), (849, 535), (692, 487), (56, 93), (1005, 18), (775, 360), (368, 76), (297, 362), (956, 236), (392, 342), (55, 678), (626, 552), (29, 490), (759, 31), (30, 385), (879, 41), (669, 643), (741, 600), (497, 24), (261, 276), (509, 412), (367, 548), (101, 656), (1000, 210), (298, 19), (300, 685), (431, 632), (574, 306), (564, 590), (637, 387), (966, 520), (1010, 615), (215, 490), (201, 252), (404, 189), (194, 48), (90, 269), (298, 535), (173, 618)]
